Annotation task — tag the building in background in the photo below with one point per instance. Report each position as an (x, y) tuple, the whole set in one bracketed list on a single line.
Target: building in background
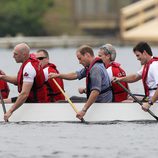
[(74, 22), (98, 16), (139, 21)]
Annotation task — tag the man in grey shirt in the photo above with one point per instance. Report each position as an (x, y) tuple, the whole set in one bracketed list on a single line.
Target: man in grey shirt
[(98, 81), (98, 86)]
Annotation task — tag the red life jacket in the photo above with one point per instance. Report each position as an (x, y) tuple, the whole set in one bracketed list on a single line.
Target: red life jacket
[(145, 73), (53, 92), (38, 92), (118, 92), (33, 56), (88, 80), (4, 89)]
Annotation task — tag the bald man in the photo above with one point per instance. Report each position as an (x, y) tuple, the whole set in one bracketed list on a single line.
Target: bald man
[(30, 79)]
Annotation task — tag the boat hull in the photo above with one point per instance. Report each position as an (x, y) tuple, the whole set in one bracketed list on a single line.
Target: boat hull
[(64, 112)]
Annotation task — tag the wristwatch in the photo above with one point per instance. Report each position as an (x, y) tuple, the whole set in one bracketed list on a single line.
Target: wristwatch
[(150, 102)]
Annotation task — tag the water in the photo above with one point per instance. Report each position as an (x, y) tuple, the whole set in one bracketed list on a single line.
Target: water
[(77, 140), (64, 140)]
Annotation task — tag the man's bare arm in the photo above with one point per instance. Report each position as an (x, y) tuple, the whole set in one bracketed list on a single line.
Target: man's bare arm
[(10, 79), (68, 76)]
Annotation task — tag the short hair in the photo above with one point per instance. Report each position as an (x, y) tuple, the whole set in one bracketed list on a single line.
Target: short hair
[(44, 51), (85, 49), (23, 48), (109, 49), (141, 46)]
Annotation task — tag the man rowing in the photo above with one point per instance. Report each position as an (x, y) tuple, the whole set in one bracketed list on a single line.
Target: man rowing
[(53, 92), (98, 86), (148, 73), (30, 79)]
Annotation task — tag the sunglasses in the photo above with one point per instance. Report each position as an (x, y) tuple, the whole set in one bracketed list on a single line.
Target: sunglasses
[(41, 58), (106, 50)]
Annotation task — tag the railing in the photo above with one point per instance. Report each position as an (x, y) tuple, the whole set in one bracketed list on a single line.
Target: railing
[(137, 14)]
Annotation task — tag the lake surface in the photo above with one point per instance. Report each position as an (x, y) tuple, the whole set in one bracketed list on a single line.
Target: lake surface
[(77, 140)]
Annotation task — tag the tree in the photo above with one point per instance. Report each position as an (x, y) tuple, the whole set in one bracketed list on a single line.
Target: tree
[(23, 16)]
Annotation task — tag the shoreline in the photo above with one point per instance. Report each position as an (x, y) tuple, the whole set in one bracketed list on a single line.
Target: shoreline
[(65, 41), (58, 41)]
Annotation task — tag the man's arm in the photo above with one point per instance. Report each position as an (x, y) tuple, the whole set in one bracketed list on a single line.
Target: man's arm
[(92, 98), (151, 101), (130, 78), (10, 79), (68, 76), (26, 88), (154, 98)]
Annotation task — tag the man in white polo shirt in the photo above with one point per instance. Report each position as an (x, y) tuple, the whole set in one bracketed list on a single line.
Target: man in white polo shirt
[(148, 73), (30, 79)]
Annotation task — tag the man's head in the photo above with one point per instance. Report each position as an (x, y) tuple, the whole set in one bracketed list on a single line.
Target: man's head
[(21, 52), (143, 52), (43, 56), (85, 55), (107, 53)]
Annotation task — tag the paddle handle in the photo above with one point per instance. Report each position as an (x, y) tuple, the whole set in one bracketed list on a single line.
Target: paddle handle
[(136, 99), (2, 101), (72, 105), (3, 104), (139, 95)]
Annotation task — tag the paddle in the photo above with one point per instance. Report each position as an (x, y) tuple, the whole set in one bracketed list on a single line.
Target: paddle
[(139, 95), (68, 99), (136, 99), (3, 104)]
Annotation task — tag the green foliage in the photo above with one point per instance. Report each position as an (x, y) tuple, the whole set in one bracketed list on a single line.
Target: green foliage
[(23, 16)]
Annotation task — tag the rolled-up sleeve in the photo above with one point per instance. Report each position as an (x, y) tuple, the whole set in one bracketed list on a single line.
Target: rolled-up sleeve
[(81, 73)]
